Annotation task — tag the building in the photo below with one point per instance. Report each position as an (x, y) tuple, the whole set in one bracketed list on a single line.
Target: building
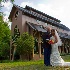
[(31, 20)]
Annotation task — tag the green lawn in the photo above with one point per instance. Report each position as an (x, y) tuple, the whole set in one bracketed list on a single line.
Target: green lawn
[(66, 58), (31, 65)]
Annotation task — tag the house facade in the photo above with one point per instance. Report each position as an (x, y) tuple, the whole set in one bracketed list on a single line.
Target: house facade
[(32, 21)]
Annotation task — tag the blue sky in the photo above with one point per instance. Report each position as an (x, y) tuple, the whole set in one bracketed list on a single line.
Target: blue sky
[(59, 9)]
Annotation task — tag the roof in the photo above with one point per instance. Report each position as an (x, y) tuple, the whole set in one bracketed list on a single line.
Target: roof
[(64, 35), (30, 8), (67, 37), (63, 27), (43, 16), (61, 34), (36, 27), (29, 11)]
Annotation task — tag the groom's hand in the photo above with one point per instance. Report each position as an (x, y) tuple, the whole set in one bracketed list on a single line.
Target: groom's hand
[(47, 40)]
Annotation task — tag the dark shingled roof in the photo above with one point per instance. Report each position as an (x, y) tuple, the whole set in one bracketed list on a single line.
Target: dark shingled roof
[(67, 37), (45, 18), (63, 27), (64, 35), (61, 34), (30, 8), (36, 27)]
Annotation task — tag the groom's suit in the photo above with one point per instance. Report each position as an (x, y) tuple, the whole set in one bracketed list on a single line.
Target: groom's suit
[(47, 48)]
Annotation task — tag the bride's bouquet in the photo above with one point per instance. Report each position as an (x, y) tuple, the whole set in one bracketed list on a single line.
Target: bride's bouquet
[(51, 42)]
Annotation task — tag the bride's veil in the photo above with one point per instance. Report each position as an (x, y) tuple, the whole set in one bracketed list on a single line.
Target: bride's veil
[(59, 40)]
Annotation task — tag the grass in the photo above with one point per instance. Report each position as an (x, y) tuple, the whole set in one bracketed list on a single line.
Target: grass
[(66, 58), (32, 65)]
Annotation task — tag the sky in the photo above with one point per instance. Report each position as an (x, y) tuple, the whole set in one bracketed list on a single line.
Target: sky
[(59, 9)]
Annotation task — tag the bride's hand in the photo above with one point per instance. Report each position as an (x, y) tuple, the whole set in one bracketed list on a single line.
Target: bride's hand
[(51, 42)]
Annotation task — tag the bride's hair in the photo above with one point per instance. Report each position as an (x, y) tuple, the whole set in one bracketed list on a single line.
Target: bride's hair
[(53, 30)]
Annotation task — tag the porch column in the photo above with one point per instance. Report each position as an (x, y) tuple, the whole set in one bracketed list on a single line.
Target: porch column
[(13, 52), (39, 44), (63, 49), (10, 48)]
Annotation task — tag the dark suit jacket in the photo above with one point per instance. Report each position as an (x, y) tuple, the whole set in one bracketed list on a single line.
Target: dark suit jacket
[(44, 37)]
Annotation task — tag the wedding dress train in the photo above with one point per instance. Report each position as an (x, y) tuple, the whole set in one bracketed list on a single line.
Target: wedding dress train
[(55, 58)]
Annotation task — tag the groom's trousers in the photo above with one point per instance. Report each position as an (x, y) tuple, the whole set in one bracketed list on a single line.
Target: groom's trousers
[(47, 52)]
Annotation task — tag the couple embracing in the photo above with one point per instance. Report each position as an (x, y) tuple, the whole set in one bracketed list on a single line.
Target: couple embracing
[(51, 53)]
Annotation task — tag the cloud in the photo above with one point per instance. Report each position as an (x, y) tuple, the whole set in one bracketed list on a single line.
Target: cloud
[(23, 4), (6, 18), (7, 13), (7, 5), (61, 7)]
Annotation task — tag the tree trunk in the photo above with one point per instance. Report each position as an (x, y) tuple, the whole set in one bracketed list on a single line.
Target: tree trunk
[(13, 53)]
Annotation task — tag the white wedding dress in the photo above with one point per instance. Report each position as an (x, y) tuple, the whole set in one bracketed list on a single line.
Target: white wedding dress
[(55, 58)]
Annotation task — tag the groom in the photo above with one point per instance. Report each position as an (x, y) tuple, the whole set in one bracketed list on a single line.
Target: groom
[(46, 46)]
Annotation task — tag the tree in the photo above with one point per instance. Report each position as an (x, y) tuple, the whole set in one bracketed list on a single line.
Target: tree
[(14, 39), (1, 13), (25, 44), (4, 39), (6, 1), (4, 33)]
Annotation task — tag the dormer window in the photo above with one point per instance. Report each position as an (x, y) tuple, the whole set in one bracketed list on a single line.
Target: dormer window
[(16, 14), (45, 24)]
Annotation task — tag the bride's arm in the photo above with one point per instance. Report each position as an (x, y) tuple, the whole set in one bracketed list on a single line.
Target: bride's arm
[(56, 40)]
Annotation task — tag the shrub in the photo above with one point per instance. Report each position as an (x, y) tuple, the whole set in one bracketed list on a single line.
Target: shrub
[(25, 44)]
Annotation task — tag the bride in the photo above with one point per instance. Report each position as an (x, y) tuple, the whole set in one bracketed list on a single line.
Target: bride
[(55, 58)]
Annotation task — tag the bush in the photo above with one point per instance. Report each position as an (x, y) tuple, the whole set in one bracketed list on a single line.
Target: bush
[(25, 44)]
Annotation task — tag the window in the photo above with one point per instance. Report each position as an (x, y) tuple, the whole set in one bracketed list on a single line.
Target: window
[(38, 21), (16, 33), (16, 14), (45, 24)]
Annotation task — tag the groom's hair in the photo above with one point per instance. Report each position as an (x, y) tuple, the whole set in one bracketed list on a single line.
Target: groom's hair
[(48, 28), (53, 30)]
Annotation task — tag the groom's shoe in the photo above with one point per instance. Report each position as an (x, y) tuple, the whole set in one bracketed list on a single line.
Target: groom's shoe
[(47, 65), (50, 65)]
